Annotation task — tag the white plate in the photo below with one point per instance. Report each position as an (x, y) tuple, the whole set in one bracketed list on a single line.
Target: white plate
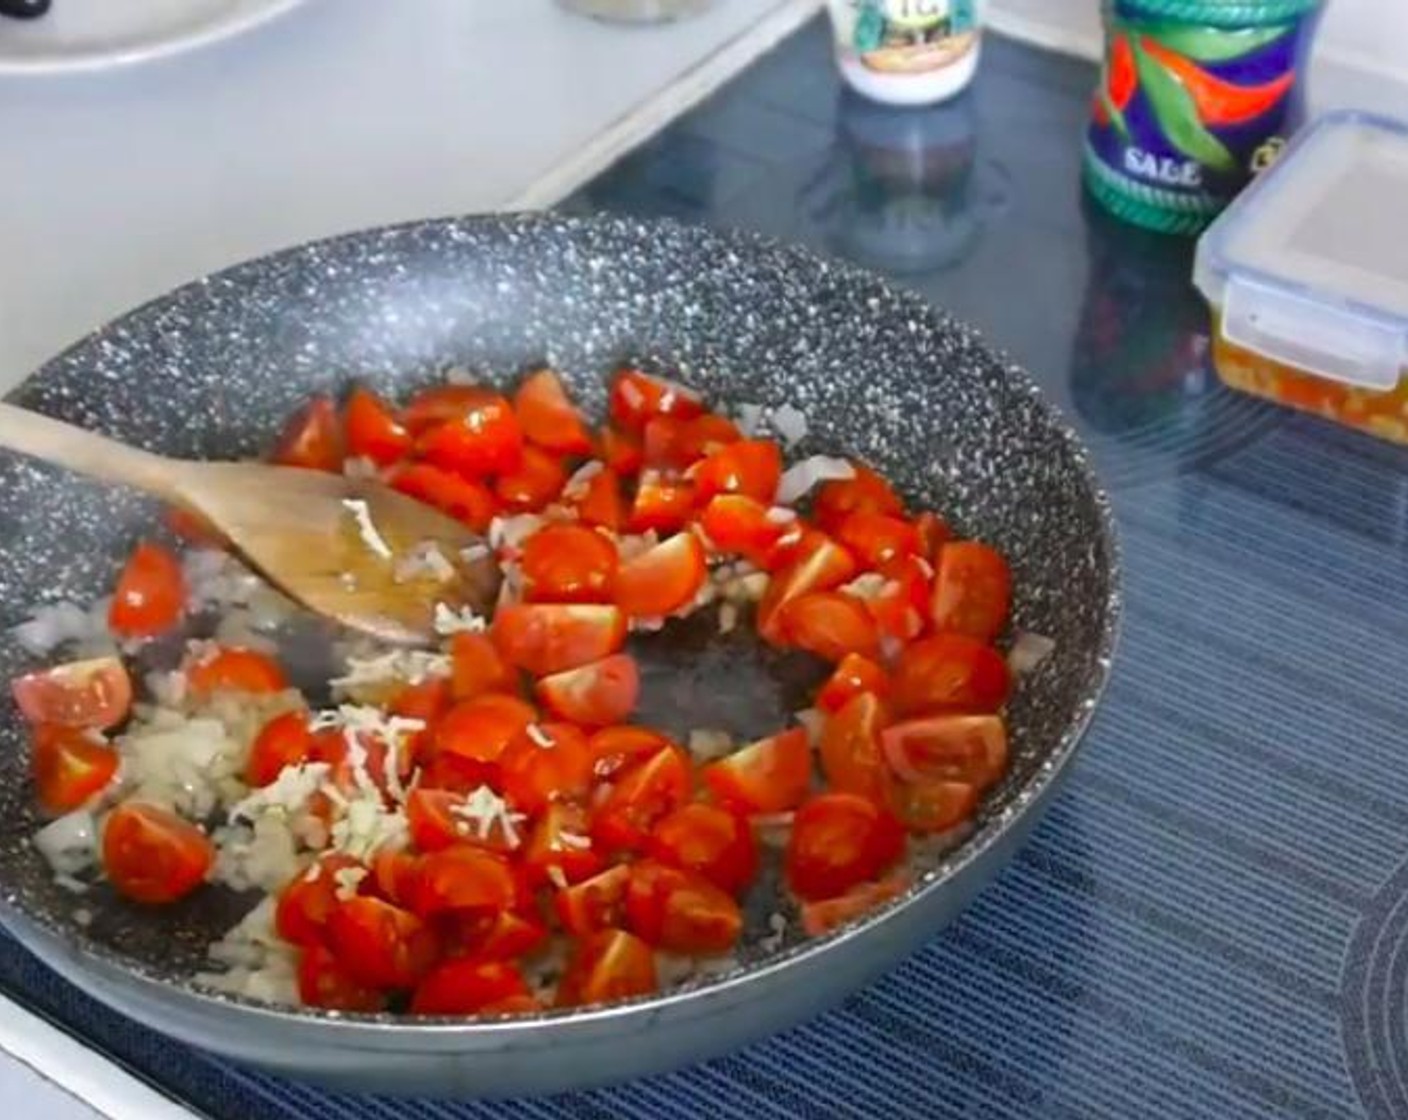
[(91, 34)]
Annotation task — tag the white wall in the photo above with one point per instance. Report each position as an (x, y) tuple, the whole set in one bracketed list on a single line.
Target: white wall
[(1361, 52)]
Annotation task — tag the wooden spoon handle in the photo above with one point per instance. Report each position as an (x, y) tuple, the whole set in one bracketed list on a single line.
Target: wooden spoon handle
[(32, 433)]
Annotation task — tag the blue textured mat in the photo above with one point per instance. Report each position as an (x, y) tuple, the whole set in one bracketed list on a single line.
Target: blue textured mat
[(1212, 920)]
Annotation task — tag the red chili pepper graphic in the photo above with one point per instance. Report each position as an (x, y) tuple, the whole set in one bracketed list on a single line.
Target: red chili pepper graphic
[(1218, 102), (1122, 80)]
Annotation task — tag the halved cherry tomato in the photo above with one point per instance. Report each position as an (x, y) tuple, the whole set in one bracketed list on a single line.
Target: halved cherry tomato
[(307, 901), (594, 695), (662, 579), (477, 668), (934, 806), (828, 624), (950, 673), (323, 982), (641, 796), (537, 479), (284, 741), (745, 526), (152, 855), (559, 849), (972, 591), (544, 763), (771, 775), (820, 565), (854, 675), (662, 503), (95, 693), (875, 539), (436, 821), (750, 466), (934, 533), (498, 937), (463, 877), (852, 756), (373, 432), (616, 748), (380, 945), (680, 911), (636, 397), (466, 987), (467, 501), (546, 638), (621, 452), (311, 438), (150, 595), (234, 669), (69, 766), (593, 904), (607, 966), (868, 492), (830, 913), (479, 731), (548, 417), (708, 840), (838, 841), (970, 749), (602, 504), (568, 564)]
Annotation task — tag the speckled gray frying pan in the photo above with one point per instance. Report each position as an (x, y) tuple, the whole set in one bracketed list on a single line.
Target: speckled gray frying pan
[(211, 369)]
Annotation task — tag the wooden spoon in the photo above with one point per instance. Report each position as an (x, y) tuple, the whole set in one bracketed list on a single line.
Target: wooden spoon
[(351, 549)]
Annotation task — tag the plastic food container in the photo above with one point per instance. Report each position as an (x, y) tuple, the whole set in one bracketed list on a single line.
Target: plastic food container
[(1308, 279)]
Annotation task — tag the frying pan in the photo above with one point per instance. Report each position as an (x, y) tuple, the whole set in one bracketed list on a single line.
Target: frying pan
[(212, 368)]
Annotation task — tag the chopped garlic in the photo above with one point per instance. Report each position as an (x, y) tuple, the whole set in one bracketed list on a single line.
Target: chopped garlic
[(541, 737), (557, 877), (348, 880), (425, 559), (870, 585), (574, 841), (781, 515), (371, 537), (367, 828), (483, 809), (287, 793), (708, 743), (359, 467), (728, 618), (578, 485), (449, 620), (413, 666)]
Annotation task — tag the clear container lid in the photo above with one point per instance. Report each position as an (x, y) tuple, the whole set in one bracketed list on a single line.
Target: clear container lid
[(1309, 266)]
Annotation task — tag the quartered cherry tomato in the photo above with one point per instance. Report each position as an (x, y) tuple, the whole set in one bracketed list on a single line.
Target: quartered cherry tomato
[(605, 966), (680, 911), (852, 755), (463, 878), (640, 797), (744, 526), (614, 749), (950, 673), (548, 417), (307, 901), (621, 452), (497, 937), (323, 982), (477, 668), (594, 695), (595, 903), (934, 806), (536, 480), (545, 638), (829, 624), (769, 776), (559, 849), (751, 466), (708, 840), (855, 674), (69, 765), (820, 565), (544, 763), (831, 913), (373, 431), (972, 590), (568, 564), (150, 594), (437, 820), (467, 501), (970, 749), (868, 492), (662, 502), (602, 504), (468, 987), (311, 438), (152, 855), (663, 579), (479, 731), (636, 397), (96, 693), (380, 945), (838, 841), (876, 539)]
